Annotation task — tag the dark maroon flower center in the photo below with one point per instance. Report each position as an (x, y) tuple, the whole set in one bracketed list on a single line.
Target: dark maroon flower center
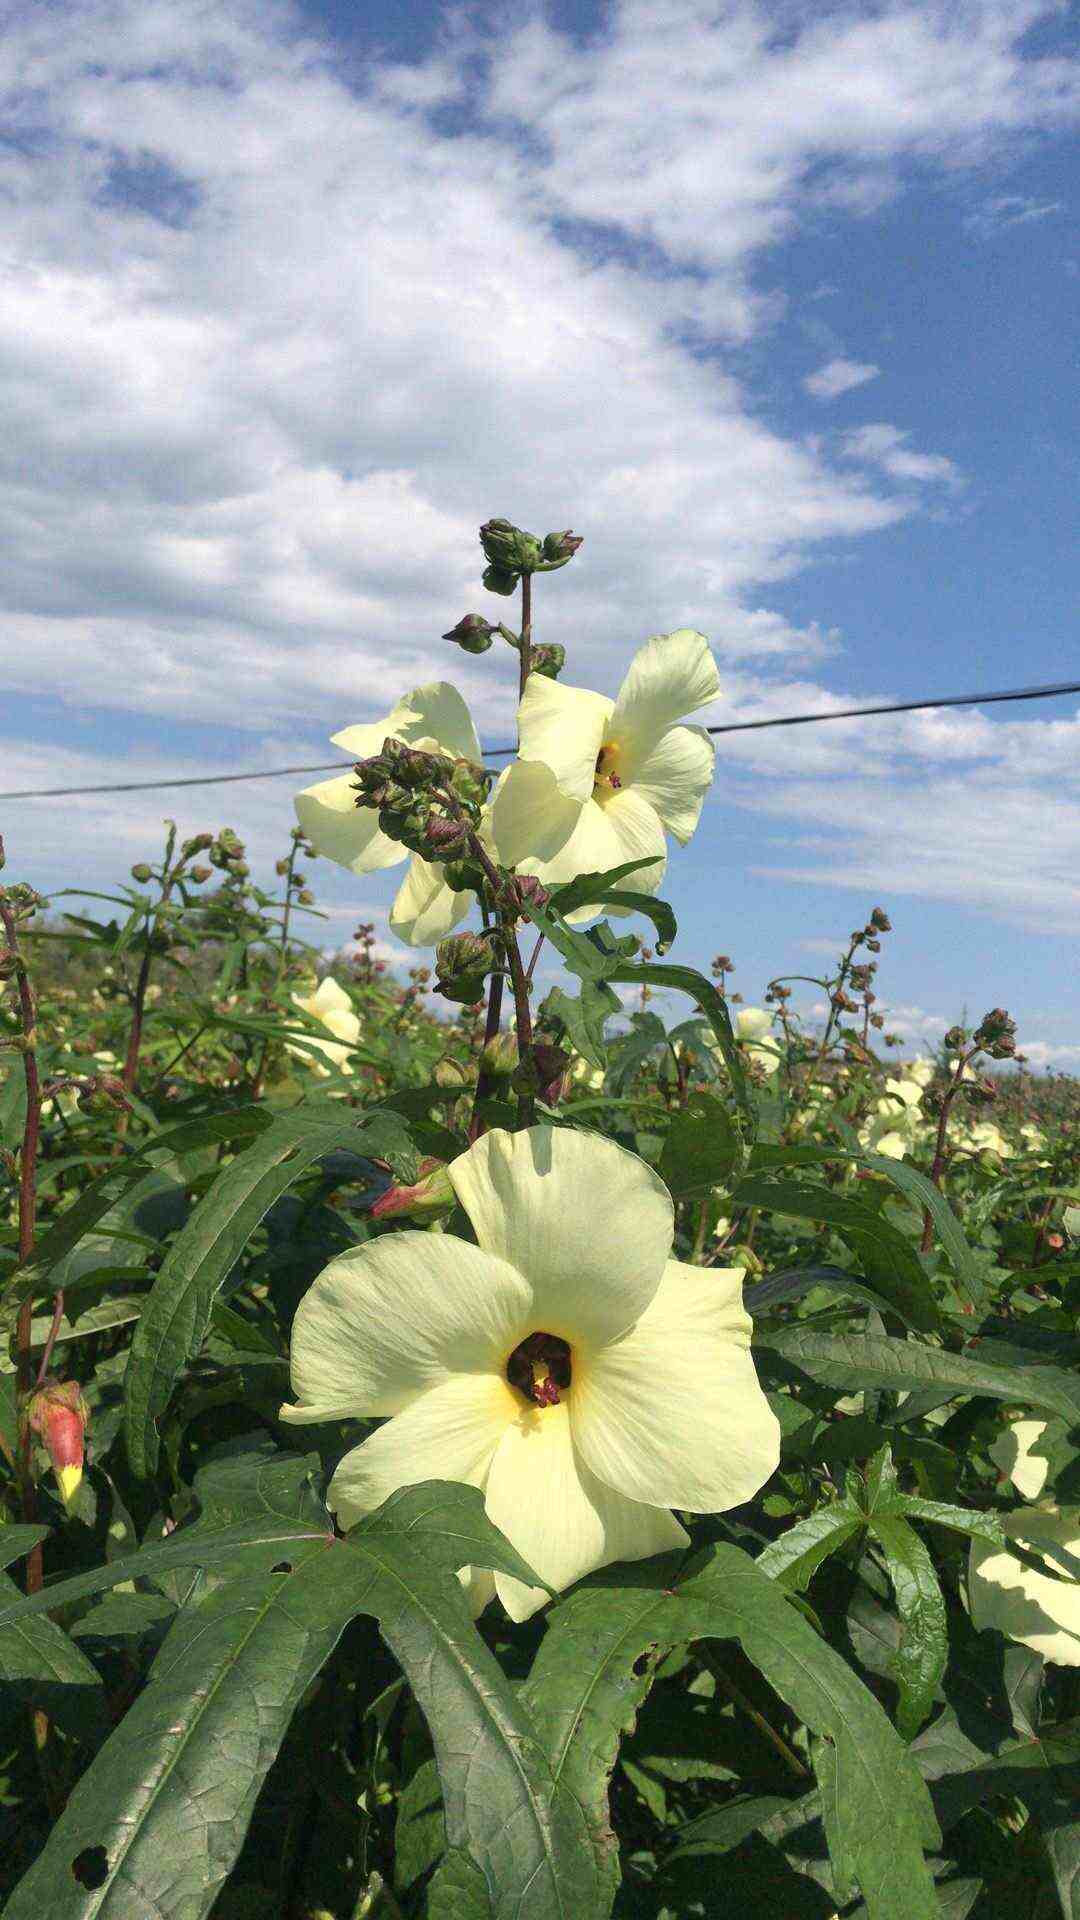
[(540, 1369)]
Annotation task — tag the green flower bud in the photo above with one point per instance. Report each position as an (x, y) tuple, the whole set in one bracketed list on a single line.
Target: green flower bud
[(454, 1075), (561, 546), (141, 872), (497, 580), (473, 634), (548, 660), (463, 962), (501, 1056), (509, 548)]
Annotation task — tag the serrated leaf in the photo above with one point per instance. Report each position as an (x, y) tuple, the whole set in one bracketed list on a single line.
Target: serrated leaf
[(596, 1663), (17, 1540), (174, 1321), (107, 1191), (851, 1361), (159, 1818), (886, 1257), (41, 1667), (458, 1891), (795, 1557), (701, 1148), (924, 1639)]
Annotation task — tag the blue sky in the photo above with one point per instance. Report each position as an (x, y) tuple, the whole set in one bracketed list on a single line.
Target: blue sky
[(776, 305)]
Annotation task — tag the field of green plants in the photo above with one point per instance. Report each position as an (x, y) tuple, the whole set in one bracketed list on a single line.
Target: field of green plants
[(485, 1454)]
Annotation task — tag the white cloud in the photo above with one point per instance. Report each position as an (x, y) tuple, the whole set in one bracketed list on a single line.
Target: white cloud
[(837, 377), (1005, 210), (272, 343), (883, 446)]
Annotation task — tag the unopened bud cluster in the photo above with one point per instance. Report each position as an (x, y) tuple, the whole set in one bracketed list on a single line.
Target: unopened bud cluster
[(427, 801), (996, 1034), (510, 552)]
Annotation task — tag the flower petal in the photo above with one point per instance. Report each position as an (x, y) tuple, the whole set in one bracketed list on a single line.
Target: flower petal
[(435, 711), (1036, 1609), (638, 835), (588, 1224), (329, 998), (561, 1519), (563, 727), (341, 830), (673, 1412), (425, 908), (384, 1323), (753, 1023), (1011, 1451), (672, 674), (674, 776), (531, 821), (449, 1433)]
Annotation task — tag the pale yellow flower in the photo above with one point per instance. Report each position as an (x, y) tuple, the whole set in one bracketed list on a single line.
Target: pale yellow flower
[(985, 1137), (753, 1027), (566, 1364), (331, 1005), (598, 782), (1011, 1451), (434, 718), (1039, 1610)]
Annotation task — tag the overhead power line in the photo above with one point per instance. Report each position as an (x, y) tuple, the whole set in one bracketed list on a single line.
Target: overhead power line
[(494, 753)]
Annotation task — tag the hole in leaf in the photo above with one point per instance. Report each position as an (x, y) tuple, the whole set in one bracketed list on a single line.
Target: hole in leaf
[(91, 1867), (641, 1665), (283, 1566)]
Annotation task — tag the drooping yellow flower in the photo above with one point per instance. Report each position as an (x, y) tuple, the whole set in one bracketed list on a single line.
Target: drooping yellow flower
[(434, 718), (565, 1364), (331, 1005), (599, 782)]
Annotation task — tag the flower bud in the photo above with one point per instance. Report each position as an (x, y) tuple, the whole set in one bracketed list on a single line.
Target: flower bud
[(431, 1193), (58, 1414), (305, 897), (561, 546), (411, 766), (548, 661), (500, 1057), (141, 872), (497, 580), (200, 874), (468, 782), (454, 1075), (463, 963), (545, 1071), (523, 889), (955, 1039), (509, 549), (473, 634), (444, 837), (879, 921)]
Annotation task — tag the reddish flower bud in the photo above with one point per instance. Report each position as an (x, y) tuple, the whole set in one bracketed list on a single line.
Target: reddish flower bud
[(58, 1414), (430, 1194)]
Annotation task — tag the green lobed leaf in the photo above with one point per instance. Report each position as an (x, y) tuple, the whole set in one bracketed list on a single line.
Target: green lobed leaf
[(174, 1321), (655, 973), (158, 1820), (595, 1665)]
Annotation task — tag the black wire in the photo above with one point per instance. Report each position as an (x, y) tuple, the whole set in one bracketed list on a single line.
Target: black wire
[(493, 753)]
